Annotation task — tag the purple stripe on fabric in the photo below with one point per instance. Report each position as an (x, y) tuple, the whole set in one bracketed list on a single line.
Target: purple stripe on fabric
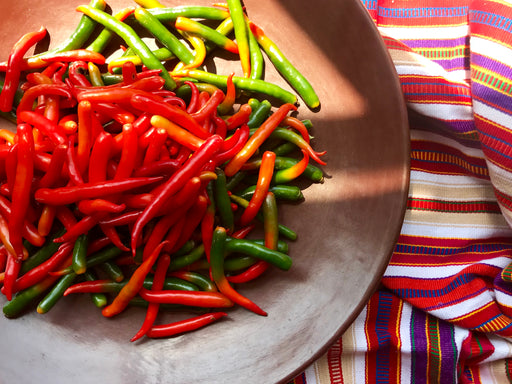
[(449, 353), (419, 358), (438, 43), (491, 64), (490, 96)]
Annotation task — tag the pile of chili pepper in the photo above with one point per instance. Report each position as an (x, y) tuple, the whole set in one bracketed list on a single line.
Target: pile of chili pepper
[(144, 186)]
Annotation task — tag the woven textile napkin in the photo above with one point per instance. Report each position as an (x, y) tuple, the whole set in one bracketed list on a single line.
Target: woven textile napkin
[(444, 312)]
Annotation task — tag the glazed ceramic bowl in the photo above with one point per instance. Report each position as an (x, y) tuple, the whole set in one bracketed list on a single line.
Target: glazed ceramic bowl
[(347, 225)]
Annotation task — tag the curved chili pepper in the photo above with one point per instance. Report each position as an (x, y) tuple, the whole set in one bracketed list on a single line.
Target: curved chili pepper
[(112, 270), (70, 56), (298, 125), (255, 141), (286, 134), (99, 299), (264, 179), (192, 221), (65, 216), (71, 194), (286, 175), (217, 254), (229, 99), (182, 326), (163, 34), (133, 286), (158, 283), (237, 14), (222, 201), (114, 112), (201, 299), (199, 50), (257, 61), (13, 72), (153, 150), (131, 38), (101, 41), (203, 282), (286, 69), (80, 228), (165, 167), (241, 135), (208, 34), (239, 118), (194, 97), (209, 107), (56, 292), (241, 83), (191, 167), (32, 93), (112, 234), (170, 112), (21, 190)]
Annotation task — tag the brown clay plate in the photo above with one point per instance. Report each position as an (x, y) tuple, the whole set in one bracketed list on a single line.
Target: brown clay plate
[(347, 226)]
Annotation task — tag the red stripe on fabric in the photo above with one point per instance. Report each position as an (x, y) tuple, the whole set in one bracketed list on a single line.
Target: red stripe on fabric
[(334, 362), (371, 339), (453, 207)]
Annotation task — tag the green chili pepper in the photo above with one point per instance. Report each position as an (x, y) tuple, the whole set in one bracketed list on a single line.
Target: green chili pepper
[(222, 201), (203, 282), (132, 39), (55, 293), (242, 83), (281, 192), (166, 15), (105, 36), (257, 62), (282, 246), (112, 270), (163, 35), (23, 299), (260, 114), (286, 69), (235, 180), (79, 264), (208, 34), (182, 261), (98, 258), (239, 263), (185, 249), (254, 249), (236, 11)]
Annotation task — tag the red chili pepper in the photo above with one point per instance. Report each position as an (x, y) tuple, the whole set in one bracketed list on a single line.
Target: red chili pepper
[(115, 112), (163, 167), (192, 221), (12, 270), (133, 286), (112, 234), (91, 207), (74, 172), (174, 211), (189, 169), (29, 232), (158, 283), (182, 326), (100, 156), (262, 185), (65, 216), (37, 274), (202, 299), (84, 140), (76, 77), (153, 150), (289, 174), (170, 112), (241, 135), (46, 220), (126, 164), (239, 118), (194, 97), (30, 95), (13, 71), (298, 125), (81, 227), (209, 107), (71, 194), (129, 72), (142, 123), (55, 167), (21, 190), (226, 104), (254, 142), (126, 218)]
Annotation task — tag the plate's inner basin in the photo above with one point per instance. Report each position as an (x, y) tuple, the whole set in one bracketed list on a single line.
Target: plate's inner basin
[(347, 225)]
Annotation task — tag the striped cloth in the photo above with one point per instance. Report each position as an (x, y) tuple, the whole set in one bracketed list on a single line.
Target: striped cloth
[(444, 312)]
